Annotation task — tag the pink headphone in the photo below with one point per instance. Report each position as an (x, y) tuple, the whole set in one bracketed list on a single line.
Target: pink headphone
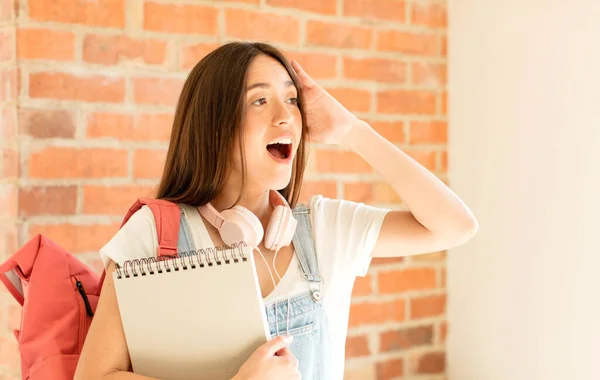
[(239, 224)]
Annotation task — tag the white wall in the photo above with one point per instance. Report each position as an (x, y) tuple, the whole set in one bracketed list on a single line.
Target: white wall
[(524, 152)]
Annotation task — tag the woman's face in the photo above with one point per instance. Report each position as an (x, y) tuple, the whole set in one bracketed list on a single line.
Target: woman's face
[(272, 124)]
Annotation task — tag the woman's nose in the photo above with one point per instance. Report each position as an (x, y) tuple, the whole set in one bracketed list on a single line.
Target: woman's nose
[(283, 114)]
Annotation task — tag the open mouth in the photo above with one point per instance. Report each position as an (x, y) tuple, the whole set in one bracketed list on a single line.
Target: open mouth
[(279, 150)]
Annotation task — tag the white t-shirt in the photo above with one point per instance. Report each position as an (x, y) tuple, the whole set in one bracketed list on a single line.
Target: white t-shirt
[(345, 233)]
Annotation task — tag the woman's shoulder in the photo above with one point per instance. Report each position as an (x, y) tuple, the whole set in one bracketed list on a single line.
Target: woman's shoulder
[(320, 203), (346, 231), (344, 221), (328, 215), (141, 221), (135, 239), (321, 206)]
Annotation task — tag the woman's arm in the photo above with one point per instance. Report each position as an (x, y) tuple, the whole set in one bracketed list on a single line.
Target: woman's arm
[(105, 355), (436, 218)]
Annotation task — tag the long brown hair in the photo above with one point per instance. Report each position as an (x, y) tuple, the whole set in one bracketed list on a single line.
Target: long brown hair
[(207, 122)]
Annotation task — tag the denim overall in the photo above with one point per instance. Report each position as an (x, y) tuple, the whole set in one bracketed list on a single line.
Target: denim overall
[(302, 316)]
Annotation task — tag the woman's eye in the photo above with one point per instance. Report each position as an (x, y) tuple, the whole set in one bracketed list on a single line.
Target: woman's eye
[(261, 101)]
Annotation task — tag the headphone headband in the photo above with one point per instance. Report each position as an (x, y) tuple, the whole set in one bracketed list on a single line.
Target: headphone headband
[(216, 220), (212, 215)]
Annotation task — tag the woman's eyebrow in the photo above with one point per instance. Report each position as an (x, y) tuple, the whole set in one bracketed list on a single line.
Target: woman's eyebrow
[(288, 83)]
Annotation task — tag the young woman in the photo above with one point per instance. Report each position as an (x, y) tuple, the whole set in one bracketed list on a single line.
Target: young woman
[(240, 135)]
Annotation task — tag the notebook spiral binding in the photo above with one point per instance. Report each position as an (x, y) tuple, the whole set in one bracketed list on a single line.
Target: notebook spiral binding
[(182, 261)]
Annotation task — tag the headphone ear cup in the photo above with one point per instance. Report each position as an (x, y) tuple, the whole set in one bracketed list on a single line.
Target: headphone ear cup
[(290, 229), (241, 226), (280, 230), (274, 228), (231, 233)]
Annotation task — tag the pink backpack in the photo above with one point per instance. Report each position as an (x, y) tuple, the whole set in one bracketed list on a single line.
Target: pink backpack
[(59, 295)]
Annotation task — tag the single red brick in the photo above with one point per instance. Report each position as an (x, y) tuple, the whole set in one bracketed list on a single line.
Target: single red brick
[(63, 86), (34, 43), (390, 10), (428, 132), (258, 25), (419, 102), (425, 44), (428, 306), (47, 123), (403, 339), (110, 50), (398, 281), (357, 346), (375, 69), (163, 91), (148, 163), (376, 312), (77, 238), (338, 35), (326, 7), (390, 369), (106, 13), (431, 363), (47, 200), (67, 162), (432, 14), (180, 18)]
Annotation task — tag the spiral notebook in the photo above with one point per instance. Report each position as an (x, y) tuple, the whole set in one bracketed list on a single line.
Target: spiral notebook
[(197, 316)]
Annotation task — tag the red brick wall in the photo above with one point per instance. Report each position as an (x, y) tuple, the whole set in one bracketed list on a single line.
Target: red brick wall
[(87, 129)]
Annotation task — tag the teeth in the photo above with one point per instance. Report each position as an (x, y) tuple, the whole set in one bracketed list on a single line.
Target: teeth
[(281, 140)]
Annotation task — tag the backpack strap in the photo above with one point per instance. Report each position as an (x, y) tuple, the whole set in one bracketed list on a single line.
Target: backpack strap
[(166, 218)]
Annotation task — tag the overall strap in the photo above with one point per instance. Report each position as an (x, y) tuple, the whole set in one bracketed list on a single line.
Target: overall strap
[(185, 243), (304, 246)]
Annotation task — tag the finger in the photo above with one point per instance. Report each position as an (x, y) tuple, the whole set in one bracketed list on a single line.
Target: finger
[(285, 351), (277, 343), (306, 79)]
